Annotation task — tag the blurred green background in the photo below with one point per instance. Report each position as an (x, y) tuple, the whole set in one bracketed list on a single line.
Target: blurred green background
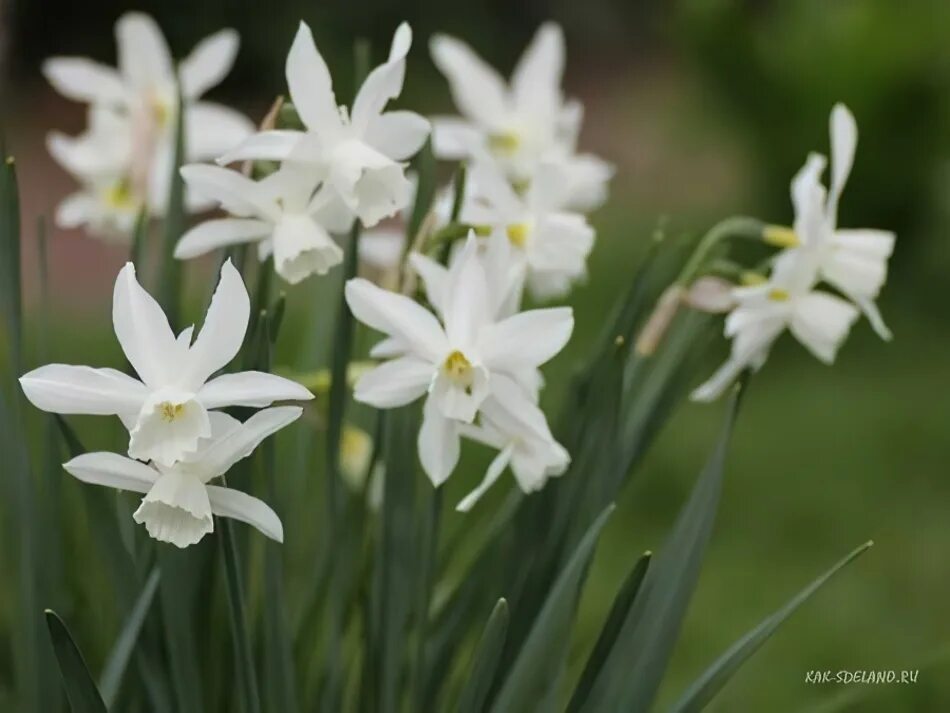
[(707, 107)]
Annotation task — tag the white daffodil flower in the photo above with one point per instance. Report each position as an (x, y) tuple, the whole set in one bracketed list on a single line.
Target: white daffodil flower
[(358, 153), (519, 431), (817, 319), (521, 124), (144, 92), (283, 213), (459, 361), (853, 261), (550, 244), (179, 500), (167, 411)]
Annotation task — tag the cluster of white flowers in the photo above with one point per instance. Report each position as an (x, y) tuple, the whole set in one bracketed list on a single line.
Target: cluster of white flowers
[(124, 160), (169, 411), (852, 261)]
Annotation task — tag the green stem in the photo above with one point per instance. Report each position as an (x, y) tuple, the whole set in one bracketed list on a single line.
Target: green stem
[(735, 227)]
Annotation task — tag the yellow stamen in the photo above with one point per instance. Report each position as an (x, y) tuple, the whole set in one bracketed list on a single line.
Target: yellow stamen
[(119, 196), (751, 279), (518, 234), (170, 411), (482, 231), (778, 295), (505, 143), (780, 236), (458, 368)]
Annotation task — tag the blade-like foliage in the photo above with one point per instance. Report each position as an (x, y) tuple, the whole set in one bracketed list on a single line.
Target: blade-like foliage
[(704, 688), (80, 688), (631, 674), (485, 661)]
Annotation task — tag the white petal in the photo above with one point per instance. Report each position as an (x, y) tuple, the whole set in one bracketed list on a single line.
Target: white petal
[(394, 383), (460, 401), (311, 88), (209, 63), (495, 469), (388, 348), (398, 134), (75, 210), (236, 505), (715, 386), (844, 140), (60, 388), (214, 234), (454, 138), (527, 339), (434, 277), (113, 471), (536, 81), (438, 444), (240, 439), (83, 80), (467, 308), (371, 184), (479, 91), (236, 193), (278, 145), (169, 427), (142, 330), (397, 316), (250, 388), (866, 241), (212, 130), (144, 58), (874, 317), (821, 322), (808, 198), (302, 248), (222, 333), (176, 510)]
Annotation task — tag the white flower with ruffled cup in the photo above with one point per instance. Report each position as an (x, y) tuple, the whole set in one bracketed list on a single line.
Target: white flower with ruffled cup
[(180, 500), (357, 153), (167, 412)]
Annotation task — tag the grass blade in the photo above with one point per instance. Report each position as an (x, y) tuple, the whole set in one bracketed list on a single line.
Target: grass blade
[(170, 280), (631, 674), (80, 690), (535, 671), (610, 630), (704, 688), (485, 661), (121, 653)]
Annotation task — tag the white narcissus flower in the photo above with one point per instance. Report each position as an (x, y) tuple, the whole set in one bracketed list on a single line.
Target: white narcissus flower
[(283, 214), (817, 319), (853, 261), (179, 500), (167, 412), (143, 93), (459, 361), (550, 243), (521, 124), (358, 153)]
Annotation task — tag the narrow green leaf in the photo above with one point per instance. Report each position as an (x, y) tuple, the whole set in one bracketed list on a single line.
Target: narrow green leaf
[(139, 239), (610, 630), (10, 262), (632, 672), (704, 688), (122, 649), (427, 546), (243, 653), (485, 661), (539, 662), (425, 166), (80, 688)]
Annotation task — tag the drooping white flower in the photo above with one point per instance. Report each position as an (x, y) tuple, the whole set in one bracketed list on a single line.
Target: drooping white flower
[(143, 93), (167, 411), (788, 300), (518, 125), (458, 358), (550, 244), (180, 500), (853, 261), (284, 214), (357, 153)]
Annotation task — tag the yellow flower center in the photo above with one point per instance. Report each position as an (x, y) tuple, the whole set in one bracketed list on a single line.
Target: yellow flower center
[(170, 411), (504, 143), (751, 279), (780, 236), (518, 234), (778, 295), (458, 368), (119, 196)]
